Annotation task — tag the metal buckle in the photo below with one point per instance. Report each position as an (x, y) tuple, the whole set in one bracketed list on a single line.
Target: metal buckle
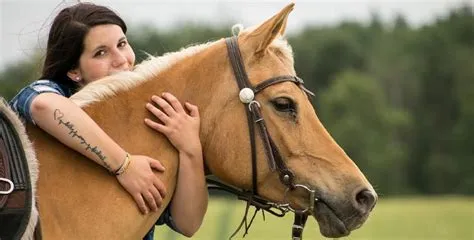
[(312, 199), (11, 186), (253, 102)]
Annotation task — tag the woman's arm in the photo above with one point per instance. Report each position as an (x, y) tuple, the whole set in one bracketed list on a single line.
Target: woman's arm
[(189, 203), (64, 120), (67, 122)]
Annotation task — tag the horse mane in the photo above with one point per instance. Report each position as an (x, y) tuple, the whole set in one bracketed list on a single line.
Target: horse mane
[(151, 67), (146, 70)]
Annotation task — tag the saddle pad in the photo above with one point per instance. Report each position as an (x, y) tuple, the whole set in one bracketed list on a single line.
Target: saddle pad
[(15, 207)]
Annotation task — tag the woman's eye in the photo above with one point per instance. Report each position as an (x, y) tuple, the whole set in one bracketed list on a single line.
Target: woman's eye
[(122, 44), (285, 105), (99, 53)]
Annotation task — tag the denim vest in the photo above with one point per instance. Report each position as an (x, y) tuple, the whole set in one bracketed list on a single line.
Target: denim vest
[(21, 103)]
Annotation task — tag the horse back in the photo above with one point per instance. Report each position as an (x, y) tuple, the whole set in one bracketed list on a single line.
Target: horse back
[(78, 199)]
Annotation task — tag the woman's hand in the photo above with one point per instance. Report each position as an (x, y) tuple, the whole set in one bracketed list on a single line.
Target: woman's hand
[(139, 180), (181, 128)]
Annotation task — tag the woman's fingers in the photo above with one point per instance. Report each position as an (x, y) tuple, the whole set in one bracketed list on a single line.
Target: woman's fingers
[(150, 199), (158, 184), (157, 196), (166, 106), (193, 110), (160, 187), (141, 203), (155, 164), (158, 113), (158, 127), (144, 186), (173, 101)]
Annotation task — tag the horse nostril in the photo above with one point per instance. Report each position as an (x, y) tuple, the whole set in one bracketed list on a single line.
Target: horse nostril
[(366, 200)]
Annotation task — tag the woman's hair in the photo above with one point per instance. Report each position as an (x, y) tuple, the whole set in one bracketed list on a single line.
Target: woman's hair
[(66, 38)]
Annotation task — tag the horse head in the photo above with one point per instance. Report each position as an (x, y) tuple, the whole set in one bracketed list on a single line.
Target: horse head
[(325, 181)]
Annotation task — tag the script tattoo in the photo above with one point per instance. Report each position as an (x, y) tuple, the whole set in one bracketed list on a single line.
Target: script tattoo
[(59, 116)]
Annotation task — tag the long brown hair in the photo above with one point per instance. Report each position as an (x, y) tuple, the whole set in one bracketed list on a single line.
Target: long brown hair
[(66, 38)]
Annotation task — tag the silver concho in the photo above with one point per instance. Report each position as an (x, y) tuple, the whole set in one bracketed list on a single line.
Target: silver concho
[(246, 95)]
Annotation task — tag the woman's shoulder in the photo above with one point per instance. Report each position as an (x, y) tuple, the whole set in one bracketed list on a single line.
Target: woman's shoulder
[(46, 85), (21, 103)]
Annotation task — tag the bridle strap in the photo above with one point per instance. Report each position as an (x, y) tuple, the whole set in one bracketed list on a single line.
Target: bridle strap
[(285, 78), (237, 63), (274, 158), (298, 225), (243, 82), (275, 161)]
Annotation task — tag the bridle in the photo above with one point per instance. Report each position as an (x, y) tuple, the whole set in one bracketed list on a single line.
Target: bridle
[(275, 161)]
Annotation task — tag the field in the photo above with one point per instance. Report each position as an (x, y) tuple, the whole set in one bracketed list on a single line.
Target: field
[(437, 218)]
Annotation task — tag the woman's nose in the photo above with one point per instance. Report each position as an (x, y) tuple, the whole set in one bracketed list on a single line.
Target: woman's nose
[(119, 59)]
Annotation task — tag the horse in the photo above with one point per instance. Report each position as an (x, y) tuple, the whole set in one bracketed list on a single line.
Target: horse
[(79, 200)]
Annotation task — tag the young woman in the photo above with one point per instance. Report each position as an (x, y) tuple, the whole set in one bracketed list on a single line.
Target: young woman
[(87, 42)]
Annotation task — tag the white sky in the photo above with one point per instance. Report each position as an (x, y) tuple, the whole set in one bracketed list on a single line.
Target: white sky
[(24, 22)]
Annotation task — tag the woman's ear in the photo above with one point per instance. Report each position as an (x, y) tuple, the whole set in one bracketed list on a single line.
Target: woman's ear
[(75, 75)]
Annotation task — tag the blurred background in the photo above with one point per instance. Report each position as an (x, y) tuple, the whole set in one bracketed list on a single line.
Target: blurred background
[(394, 83)]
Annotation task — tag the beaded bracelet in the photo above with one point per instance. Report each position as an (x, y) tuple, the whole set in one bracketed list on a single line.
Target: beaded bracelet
[(124, 166)]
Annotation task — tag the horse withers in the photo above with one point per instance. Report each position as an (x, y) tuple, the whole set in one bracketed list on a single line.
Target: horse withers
[(79, 200)]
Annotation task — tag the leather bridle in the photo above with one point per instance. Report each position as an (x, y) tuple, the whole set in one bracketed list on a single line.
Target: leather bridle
[(274, 158)]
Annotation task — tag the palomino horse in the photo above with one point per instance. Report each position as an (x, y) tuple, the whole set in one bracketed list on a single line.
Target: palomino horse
[(78, 200)]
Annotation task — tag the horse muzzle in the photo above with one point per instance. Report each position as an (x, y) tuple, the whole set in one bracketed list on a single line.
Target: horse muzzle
[(339, 219)]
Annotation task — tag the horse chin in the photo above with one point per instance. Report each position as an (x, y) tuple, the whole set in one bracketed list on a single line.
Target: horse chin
[(330, 225)]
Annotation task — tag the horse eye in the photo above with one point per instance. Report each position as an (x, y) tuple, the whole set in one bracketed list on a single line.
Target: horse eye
[(284, 104)]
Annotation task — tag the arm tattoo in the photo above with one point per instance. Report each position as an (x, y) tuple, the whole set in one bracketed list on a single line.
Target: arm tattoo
[(59, 116)]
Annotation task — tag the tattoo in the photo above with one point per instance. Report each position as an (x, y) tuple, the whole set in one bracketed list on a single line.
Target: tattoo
[(58, 116)]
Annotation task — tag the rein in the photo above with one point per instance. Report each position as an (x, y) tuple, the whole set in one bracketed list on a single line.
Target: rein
[(274, 159)]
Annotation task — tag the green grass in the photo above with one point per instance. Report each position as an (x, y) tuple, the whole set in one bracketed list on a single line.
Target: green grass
[(437, 218)]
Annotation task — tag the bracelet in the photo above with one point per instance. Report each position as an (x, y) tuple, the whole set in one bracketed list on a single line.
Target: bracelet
[(124, 166)]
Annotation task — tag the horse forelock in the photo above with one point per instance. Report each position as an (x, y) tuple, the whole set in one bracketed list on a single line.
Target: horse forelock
[(284, 48), (150, 68)]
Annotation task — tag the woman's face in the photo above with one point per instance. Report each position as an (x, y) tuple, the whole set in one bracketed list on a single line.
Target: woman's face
[(106, 51)]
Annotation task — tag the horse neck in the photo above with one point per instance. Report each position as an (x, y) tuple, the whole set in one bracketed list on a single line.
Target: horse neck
[(195, 79)]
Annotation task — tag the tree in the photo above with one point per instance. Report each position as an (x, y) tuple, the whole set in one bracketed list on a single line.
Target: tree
[(356, 112)]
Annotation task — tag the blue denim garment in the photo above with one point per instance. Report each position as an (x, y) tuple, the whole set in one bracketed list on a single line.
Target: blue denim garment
[(165, 218), (150, 234), (21, 104)]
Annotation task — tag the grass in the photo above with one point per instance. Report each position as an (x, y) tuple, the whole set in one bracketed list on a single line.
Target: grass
[(417, 218)]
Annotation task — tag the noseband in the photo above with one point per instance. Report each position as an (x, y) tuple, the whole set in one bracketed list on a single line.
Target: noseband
[(275, 161)]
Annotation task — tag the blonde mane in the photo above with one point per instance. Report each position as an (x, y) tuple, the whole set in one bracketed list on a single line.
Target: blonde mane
[(144, 71), (148, 69)]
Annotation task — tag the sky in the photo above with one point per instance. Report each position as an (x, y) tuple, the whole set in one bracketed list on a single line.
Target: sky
[(24, 24)]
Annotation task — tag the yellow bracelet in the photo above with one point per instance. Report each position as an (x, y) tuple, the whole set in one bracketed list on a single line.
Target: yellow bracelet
[(128, 164), (124, 166)]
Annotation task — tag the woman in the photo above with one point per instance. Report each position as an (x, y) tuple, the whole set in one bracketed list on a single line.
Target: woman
[(87, 42)]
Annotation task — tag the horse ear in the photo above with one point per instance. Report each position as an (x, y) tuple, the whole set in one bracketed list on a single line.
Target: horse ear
[(263, 35)]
